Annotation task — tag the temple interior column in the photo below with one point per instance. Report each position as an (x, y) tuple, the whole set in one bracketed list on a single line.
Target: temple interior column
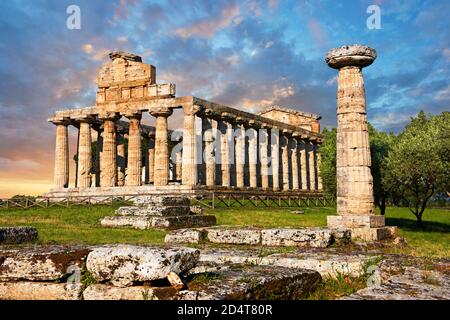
[(108, 154), (150, 158), (84, 154), (209, 156), (253, 156), (304, 164), (275, 152), (121, 157), (240, 153), (98, 148), (264, 157), (61, 177), (178, 165), (161, 177), (189, 174), (285, 161), (319, 178), (312, 166), (294, 163), (225, 153)]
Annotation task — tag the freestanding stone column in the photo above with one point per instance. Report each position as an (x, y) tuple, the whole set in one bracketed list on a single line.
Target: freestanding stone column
[(312, 165), (285, 161), (208, 127), (355, 203), (240, 153), (253, 155), (275, 145), (108, 154), (121, 157), (134, 165), (61, 178), (161, 146), (304, 164), (293, 146), (84, 154), (264, 157), (150, 158)]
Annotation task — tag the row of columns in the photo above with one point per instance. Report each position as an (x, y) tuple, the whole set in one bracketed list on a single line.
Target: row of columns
[(219, 150)]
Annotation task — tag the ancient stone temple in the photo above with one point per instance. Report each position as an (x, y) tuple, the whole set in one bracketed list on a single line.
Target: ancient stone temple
[(355, 202), (218, 148)]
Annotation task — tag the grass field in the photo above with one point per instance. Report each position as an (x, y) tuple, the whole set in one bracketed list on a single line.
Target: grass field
[(81, 225)]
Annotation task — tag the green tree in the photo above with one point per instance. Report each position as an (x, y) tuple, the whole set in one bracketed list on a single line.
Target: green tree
[(418, 163), (328, 161)]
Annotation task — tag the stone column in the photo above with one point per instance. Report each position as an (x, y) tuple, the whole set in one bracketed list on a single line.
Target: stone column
[(134, 163), (98, 146), (225, 153), (108, 154), (84, 154), (150, 157), (293, 146), (189, 174), (209, 149), (304, 163), (319, 178), (121, 157), (284, 140), (240, 152), (275, 147), (161, 145), (179, 166), (355, 202), (253, 154), (264, 156), (312, 165), (61, 178)]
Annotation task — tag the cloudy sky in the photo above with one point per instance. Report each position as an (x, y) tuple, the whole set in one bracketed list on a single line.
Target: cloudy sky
[(246, 54)]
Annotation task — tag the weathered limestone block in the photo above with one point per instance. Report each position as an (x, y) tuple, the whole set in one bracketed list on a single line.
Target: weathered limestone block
[(254, 283), (154, 211), (356, 221), (186, 236), (374, 234), (149, 222), (109, 292), (196, 210), (234, 236), (341, 235), (161, 201), (18, 234), (40, 263), (123, 265), (137, 222), (314, 237), (39, 291)]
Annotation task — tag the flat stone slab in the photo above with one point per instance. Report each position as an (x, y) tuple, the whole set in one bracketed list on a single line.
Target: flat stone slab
[(328, 265), (110, 292), (186, 236), (37, 263), (16, 235), (244, 282), (234, 236), (39, 291), (154, 222), (356, 221), (124, 265), (164, 211), (313, 237), (161, 200), (374, 234)]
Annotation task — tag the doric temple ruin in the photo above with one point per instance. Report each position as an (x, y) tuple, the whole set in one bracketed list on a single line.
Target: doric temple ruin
[(217, 148)]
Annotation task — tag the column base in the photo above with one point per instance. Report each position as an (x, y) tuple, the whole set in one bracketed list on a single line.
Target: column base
[(374, 234)]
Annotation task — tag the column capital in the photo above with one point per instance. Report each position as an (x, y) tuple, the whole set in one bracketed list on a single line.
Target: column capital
[(351, 56), (85, 119), (108, 115), (161, 112), (60, 121), (192, 109), (228, 117), (132, 114)]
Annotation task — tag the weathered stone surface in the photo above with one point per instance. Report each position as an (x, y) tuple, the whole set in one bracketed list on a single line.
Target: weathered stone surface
[(314, 237), (186, 236), (374, 234), (254, 282), (154, 211), (18, 234), (354, 55), (109, 292), (123, 265), (41, 263), (161, 200), (234, 236), (411, 284), (341, 235), (356, 221), (149, 222), (196, 210), (39, 291), (325, 263)]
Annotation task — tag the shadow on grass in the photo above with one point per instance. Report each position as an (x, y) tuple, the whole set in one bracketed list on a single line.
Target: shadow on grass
[(411, 225)]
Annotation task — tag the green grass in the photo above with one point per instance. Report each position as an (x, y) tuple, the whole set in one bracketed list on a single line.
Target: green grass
[(81, 225)]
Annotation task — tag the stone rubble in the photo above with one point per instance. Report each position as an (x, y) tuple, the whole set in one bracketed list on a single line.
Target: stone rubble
[(16, 235)]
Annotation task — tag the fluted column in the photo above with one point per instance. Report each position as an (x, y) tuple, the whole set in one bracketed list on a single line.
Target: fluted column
[(225, 153), (304, 164), (84, 154), (294, 164), (312, 166), (209, 156), (189, 174), (319, 177), (108, 154), (150, 158), (61, 177), (121, 157), (275, 145), (240, 153), (161, 177), (285, 161), (134, 163), (253, 155), (98, 148), (264, 157)]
